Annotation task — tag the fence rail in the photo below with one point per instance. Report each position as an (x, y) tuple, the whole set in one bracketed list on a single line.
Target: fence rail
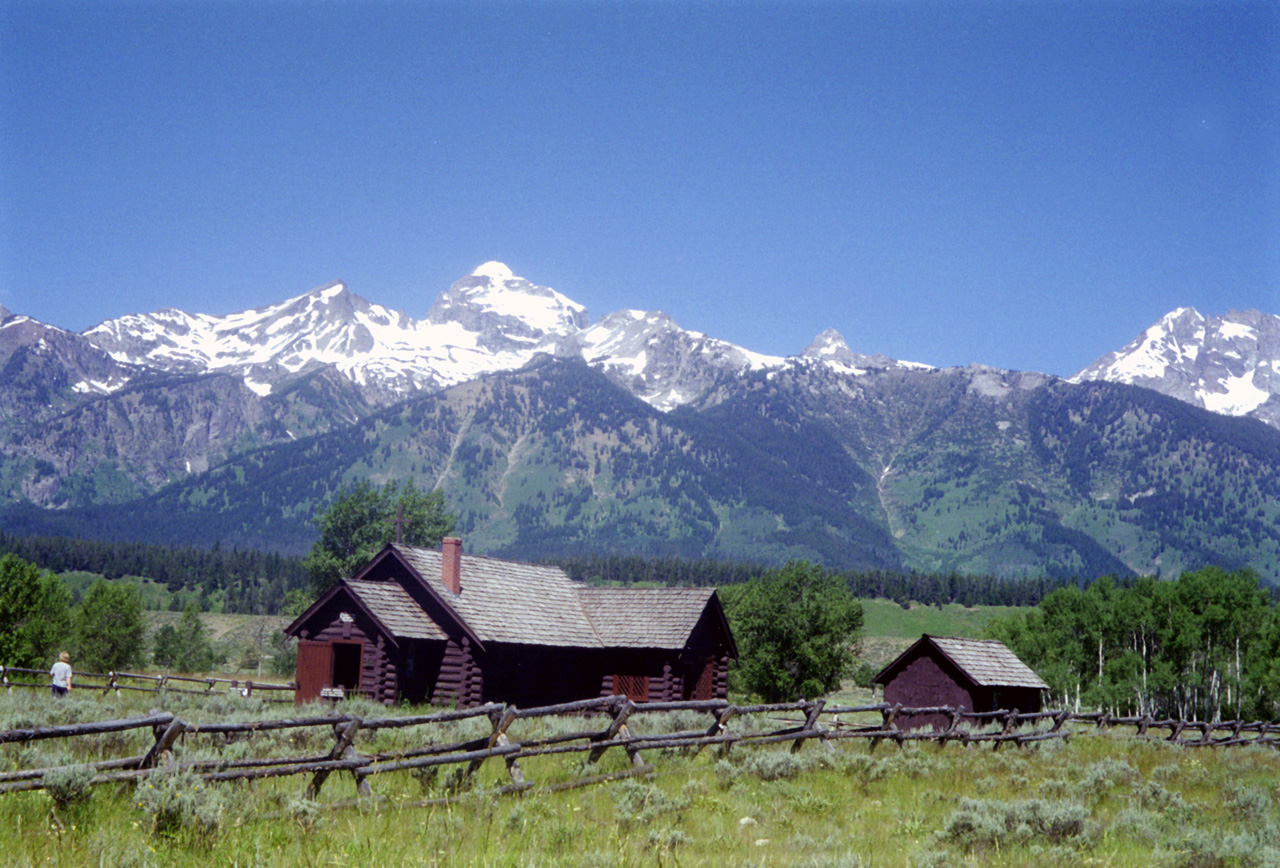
[(114, 682), (796, 723)]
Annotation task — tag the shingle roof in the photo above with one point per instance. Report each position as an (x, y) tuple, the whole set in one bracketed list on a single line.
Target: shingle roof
[(644, 617), (398, 612), (504, 601), (988, 662)]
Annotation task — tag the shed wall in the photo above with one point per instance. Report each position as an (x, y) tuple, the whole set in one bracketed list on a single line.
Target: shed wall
[(925, 682)]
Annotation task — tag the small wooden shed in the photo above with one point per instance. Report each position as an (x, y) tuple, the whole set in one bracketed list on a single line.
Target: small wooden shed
[(444, 627), (971, 674)]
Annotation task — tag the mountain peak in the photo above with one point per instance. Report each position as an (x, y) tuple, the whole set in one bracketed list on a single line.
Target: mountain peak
[(828, 345), (493, 270), (1228, 364), (506, 310)]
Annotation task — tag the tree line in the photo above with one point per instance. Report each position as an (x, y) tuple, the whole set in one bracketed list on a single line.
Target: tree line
[(1205, 645), (933, 589), (251, 582)]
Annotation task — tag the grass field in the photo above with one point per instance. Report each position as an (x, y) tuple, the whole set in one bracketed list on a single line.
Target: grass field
[(1100, 800), (887, 619)]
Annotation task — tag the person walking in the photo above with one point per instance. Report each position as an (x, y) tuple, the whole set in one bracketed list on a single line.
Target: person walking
[(61, 674)]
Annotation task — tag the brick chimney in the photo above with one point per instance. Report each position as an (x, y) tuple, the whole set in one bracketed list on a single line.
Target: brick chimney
[(451, 564)]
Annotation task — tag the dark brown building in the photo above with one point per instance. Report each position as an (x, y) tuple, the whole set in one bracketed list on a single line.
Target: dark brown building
[(444, 627), (971, 674)]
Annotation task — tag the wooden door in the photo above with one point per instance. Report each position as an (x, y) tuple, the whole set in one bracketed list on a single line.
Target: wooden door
[(315, 668)]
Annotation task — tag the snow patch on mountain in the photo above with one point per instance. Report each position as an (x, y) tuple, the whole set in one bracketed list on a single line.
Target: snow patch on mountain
[(1239, 396)]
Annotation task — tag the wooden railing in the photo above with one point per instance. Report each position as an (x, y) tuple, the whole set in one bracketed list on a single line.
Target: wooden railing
[(795, 723), (114, 682)]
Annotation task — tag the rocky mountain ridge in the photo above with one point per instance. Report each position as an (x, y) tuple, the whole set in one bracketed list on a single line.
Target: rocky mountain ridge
[(490, 320)]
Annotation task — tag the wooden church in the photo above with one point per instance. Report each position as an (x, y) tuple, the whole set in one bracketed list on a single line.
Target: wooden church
[(444, 627)]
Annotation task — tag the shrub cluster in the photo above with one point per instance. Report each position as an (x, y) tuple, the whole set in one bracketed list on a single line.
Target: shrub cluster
[(979, 823), (183, 806)]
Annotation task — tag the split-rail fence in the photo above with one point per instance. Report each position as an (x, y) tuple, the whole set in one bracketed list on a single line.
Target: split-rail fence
[(796, 723), (114, 682)]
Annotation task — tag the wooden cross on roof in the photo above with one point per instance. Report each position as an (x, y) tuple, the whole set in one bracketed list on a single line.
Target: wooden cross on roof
[(399, 521)]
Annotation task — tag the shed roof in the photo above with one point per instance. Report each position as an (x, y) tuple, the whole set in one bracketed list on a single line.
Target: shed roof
[(987, 662)]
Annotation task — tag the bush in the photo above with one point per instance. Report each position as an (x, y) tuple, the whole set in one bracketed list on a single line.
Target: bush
[(182, 806), (1152, 796), (68, 786), (1105, 775), (988, 822), (1209, 850), (639, 803)]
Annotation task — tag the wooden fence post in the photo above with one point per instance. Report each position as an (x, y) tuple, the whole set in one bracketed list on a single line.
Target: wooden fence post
[(810, 724), (342, 749), (953, 729), (616, 727), (164, 743), (890, 718), (720, 726), (500, 719), (1010, 721), (499, 739)]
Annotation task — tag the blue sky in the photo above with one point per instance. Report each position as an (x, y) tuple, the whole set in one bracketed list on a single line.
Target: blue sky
[(1027, 184)]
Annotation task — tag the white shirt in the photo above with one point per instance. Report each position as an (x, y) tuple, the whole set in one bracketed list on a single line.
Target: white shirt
[(61, 673)]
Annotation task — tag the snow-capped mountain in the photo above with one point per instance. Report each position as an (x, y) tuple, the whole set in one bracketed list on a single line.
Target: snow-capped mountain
[(62, 358), (1228, 364), (231, 427), (491, 320), (506, 313), (660, 362)]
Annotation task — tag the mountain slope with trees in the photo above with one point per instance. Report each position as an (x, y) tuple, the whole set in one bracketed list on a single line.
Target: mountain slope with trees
[(972, 470)]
